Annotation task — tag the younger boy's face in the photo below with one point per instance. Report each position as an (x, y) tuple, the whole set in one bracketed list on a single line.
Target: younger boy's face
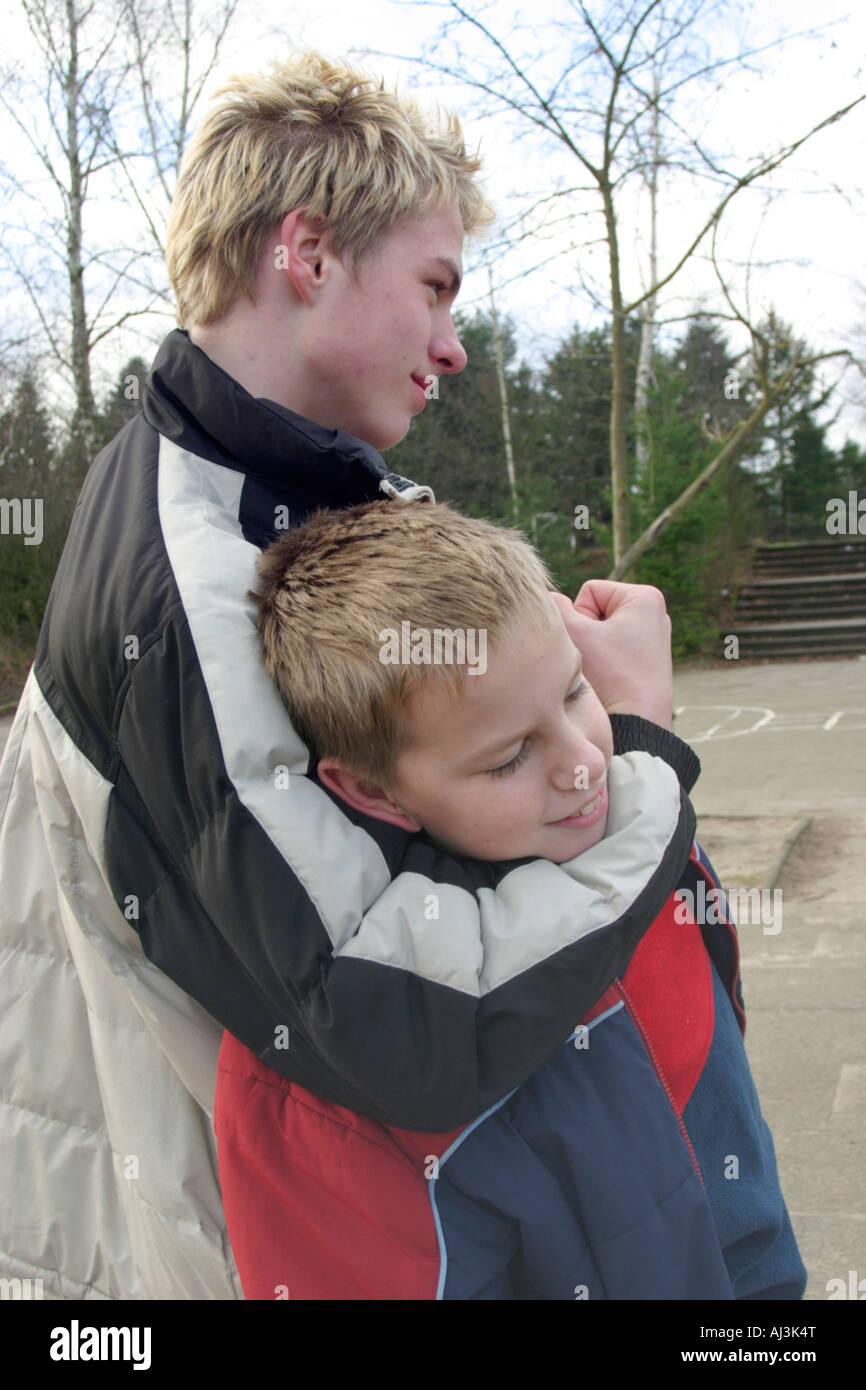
[(503, 768)]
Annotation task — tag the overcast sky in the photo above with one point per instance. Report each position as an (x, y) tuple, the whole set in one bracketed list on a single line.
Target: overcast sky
[(816, 234)]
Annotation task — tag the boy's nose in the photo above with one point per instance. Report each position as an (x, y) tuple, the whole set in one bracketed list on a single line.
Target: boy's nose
[(579, 767), (448, 352)]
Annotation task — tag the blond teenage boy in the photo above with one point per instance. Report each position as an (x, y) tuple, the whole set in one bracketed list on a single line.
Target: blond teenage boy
[(169, 866), (607, 1170)]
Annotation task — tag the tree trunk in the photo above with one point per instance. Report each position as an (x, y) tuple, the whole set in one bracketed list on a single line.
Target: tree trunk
[(619, 479), (85, 406), (503, 402), (726, 455), (643, 451)]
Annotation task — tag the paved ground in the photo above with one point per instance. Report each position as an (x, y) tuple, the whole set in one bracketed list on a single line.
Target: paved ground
[(783, 748), (782, 805)]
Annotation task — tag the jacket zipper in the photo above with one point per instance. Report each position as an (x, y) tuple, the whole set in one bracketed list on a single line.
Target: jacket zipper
[(660, 1074)]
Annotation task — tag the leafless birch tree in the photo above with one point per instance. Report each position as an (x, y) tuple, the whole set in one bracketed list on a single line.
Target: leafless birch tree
[(101, 74)]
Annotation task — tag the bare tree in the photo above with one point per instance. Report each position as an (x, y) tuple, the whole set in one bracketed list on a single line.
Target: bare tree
[(612, 99), (175, 46), (105, 72), (66, 124), (651, 162)]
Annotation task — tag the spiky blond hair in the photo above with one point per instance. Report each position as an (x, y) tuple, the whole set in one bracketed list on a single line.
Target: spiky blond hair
[(313, 135), (328, 589)]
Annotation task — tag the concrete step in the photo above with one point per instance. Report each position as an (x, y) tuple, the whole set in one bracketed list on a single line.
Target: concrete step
[(844, 555), (855, 582), (805, 571), (805, 589), (817, 637), (841, 576), (794, 651), (781, 617), (825, 625), (817, 545), (826, 599), (804, 598), (811, 605)]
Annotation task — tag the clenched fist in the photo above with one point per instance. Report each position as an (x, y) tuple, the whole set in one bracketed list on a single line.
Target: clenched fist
[(624, 634)]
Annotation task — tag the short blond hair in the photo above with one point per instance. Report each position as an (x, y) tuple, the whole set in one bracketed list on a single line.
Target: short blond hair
[(307, 135), (328, 589)]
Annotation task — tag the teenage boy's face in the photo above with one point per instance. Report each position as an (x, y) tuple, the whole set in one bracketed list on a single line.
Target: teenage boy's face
[(376, 340), (503, 768)]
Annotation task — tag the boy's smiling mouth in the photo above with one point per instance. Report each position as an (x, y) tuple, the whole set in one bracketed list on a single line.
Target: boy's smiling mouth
[(589, 813)]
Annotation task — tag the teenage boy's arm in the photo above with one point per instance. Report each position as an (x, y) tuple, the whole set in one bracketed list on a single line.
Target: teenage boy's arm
[(353, 958), (350, 956)]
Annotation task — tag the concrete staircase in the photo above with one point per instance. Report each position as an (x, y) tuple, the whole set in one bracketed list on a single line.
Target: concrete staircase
[(804, 599)]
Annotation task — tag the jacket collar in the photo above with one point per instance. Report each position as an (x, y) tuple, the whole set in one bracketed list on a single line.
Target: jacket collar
[(192, 401)]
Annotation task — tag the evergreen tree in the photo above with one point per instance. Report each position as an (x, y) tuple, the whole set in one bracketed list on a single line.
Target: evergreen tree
[(123, 401), (699, 391), (26, 442), (851, 474), (35, 498), (573, 439), (815, 473), (455, 444), (773, 453)]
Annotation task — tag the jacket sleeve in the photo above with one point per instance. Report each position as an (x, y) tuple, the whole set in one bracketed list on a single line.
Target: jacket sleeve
[(353, 958)]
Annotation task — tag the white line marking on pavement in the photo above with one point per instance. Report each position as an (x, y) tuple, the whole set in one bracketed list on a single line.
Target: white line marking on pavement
[(850, 1089), (734, 712), (771, 721)]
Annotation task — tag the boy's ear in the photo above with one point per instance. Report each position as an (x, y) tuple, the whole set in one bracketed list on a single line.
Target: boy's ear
[(305, 251), (363, 795)]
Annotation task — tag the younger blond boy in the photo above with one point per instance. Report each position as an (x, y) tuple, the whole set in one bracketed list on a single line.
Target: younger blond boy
[(604, 1172)]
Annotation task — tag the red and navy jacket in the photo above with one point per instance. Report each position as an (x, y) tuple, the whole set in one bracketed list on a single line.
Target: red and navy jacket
[(634, 1164)]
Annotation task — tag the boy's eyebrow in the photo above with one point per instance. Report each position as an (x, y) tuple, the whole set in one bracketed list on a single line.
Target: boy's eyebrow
[(504, 743), (451, 266)]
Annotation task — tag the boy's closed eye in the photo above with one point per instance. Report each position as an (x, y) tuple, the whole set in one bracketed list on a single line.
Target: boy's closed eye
[(520, 757)]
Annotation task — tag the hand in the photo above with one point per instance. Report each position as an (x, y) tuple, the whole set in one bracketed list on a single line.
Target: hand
[(624, 634)]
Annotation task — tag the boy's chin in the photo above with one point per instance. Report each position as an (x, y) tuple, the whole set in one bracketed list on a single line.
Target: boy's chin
[(566, 858), (580, 847), (390, 441), (560, 851), (385, 434), (555, 857)]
